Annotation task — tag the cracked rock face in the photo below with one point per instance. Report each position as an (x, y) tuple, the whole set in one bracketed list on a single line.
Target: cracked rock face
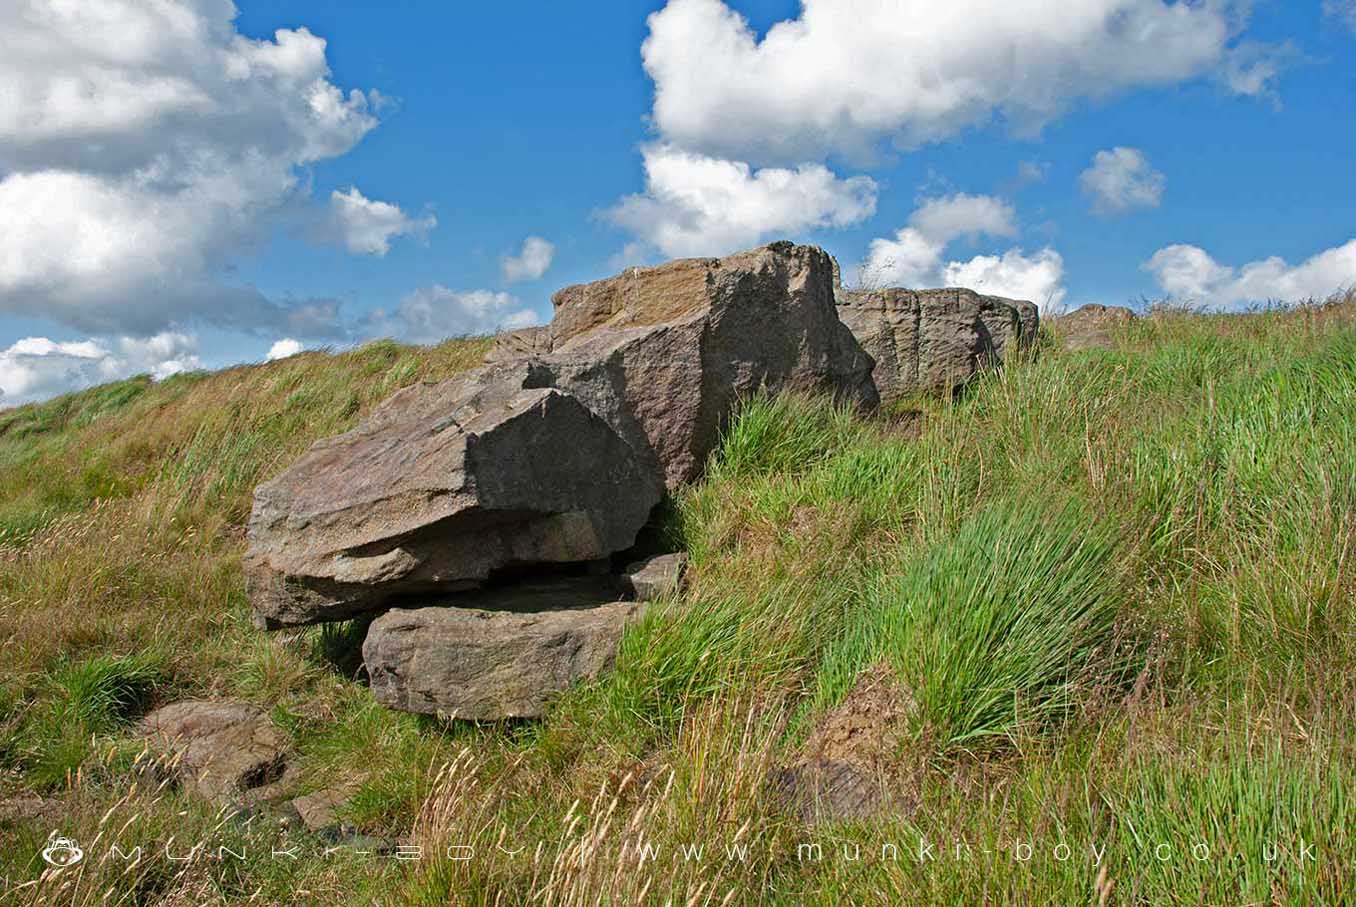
[(495, 655), (665, 354), (440, 487), (932, 341)]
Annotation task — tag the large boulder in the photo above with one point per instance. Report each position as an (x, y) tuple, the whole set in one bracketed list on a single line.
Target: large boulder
[(499, 654), (439, 488), (559, 447), (933, 341), (665, 354)]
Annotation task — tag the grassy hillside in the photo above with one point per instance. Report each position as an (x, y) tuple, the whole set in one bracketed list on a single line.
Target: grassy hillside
[(1111, 590)]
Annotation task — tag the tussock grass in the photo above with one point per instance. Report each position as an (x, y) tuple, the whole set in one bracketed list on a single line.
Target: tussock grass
[(1004, 623)]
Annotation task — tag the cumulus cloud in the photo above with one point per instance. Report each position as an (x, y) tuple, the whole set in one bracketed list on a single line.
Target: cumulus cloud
[(281, 349), (142, 146), (37, 367), (531, 261), (1122, 180), (366, 227), (431, 314), (846, 74), (697, 205), (916, 256), (1189, 274), (1014, 275)]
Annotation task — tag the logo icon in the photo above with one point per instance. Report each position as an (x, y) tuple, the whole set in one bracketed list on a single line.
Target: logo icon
[(62, 852)]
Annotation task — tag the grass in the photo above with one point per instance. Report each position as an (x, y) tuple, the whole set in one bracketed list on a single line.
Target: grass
[(1002, 624), (1117, 585)]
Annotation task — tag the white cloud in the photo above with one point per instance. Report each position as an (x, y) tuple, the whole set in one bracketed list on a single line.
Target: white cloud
[(431, 314), (366, 227), (37, 367), (915, 257), (1013, 274), (1122, 180), (144, 143), (847, 73), (531, 261), (282, 349), (696, 205), (1190, 274), (1344, 10), (953, 216)]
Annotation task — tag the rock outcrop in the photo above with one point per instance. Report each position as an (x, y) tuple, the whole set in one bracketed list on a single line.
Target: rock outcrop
[(664, 354), (555, 452), (495, 655), (932, 341), (559, 447)]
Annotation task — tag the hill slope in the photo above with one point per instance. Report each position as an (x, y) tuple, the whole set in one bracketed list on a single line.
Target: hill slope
[(1109, 594)]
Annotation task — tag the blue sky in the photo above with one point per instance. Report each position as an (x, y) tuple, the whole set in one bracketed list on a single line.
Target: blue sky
[(191, 183)]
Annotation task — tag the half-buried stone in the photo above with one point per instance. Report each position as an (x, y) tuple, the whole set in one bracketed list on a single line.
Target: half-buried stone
[(498, 654)]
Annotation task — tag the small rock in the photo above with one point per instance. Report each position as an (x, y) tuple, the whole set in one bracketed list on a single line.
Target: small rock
[(221, 748), (318, 810), (655, 577), (496, 655)]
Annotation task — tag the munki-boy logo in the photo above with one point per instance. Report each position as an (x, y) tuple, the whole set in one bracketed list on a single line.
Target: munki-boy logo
[(62, 852)]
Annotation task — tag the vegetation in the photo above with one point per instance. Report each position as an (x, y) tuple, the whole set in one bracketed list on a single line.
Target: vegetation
[(1117, 586)]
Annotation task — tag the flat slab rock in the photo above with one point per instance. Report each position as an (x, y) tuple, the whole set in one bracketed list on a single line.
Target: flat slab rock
[(496, 655), (222, 749), (439, 488)]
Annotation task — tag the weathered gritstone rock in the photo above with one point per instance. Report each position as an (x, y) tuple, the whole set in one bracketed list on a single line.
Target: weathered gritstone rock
[(664, 354), (222, 748), (556, 450), (440, 487), (1092, 326), (495, 655), (932, 341)]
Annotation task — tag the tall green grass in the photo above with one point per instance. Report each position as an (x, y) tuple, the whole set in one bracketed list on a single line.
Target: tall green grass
[(999, 626)]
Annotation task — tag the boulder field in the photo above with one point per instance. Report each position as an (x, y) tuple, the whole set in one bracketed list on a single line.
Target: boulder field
[(480, 515)]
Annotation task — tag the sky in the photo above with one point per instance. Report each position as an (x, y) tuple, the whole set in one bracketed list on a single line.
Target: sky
[(193, 183)]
